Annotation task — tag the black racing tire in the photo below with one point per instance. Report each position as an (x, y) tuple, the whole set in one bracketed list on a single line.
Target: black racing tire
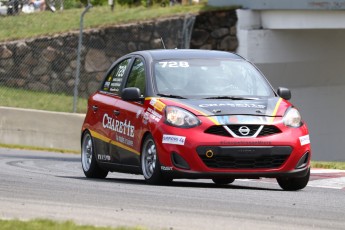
[(223, 181), (293, 183), (150, 165), (88, 160)]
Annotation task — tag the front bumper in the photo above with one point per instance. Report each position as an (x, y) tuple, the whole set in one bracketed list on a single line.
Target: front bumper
[(188, 174), (205, 155)]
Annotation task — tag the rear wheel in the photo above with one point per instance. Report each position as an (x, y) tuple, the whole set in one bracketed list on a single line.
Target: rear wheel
[(222, 181), (150, 165), (294, 183), (88, 160)]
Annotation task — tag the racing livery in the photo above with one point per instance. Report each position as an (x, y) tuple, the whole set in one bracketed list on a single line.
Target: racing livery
[(171, 114)]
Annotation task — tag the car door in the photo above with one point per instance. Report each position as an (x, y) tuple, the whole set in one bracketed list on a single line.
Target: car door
[(104, 105), (131, 115)]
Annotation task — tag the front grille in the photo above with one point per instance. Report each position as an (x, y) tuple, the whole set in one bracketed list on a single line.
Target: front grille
[(218, 130), (245, 157), (221, 131), (235, 129), (269, 130)]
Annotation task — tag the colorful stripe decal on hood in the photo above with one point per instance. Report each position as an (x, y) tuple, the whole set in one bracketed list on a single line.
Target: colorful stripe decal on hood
[(203, 112), (275, 110), (267, 108)]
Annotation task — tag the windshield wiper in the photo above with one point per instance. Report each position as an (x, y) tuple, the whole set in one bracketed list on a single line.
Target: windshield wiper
[(171, 96), (232, 98)]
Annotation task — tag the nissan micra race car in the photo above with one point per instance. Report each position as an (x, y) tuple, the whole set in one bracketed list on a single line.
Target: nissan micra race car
[(169, 114)]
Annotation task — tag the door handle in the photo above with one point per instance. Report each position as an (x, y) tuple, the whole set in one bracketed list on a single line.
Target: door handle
[(116, 112), (95, 108)]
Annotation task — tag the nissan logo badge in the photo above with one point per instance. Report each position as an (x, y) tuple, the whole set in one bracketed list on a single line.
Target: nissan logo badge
[(244, 130)]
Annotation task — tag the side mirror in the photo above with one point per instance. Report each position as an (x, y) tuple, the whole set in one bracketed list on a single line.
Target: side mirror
[(131, 94), (284, 93)]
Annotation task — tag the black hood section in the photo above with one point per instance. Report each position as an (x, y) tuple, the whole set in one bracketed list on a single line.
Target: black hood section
[(214, 107)]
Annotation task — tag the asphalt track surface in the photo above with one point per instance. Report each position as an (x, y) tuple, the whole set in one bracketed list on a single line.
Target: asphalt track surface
[(52, 185)]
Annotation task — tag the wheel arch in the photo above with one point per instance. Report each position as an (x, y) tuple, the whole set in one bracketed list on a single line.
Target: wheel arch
[(83, 134), (142, 141)]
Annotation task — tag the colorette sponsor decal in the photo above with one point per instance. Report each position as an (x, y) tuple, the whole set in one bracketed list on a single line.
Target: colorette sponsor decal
[(304, 140), (124, 140), (123, 127), (233, 105), (173, 139)]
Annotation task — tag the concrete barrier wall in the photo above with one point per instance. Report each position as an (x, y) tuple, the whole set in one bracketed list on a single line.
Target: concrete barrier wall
[(40, 128)]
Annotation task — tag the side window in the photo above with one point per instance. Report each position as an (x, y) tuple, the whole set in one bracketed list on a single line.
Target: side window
[(114, 79), (136, 77)]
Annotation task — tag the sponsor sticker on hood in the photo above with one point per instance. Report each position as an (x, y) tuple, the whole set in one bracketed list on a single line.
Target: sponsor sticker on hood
[(233, 105), (218, 107)]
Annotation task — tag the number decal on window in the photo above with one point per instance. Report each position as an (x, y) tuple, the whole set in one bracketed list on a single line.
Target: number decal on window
[(121, 71), (174, 64), (184, 64)]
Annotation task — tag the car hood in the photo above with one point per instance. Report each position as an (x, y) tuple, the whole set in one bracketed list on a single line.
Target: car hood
[(274, 106)]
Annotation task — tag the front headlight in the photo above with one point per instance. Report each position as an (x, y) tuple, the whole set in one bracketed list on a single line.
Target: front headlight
[(292, 118), (179, 117)]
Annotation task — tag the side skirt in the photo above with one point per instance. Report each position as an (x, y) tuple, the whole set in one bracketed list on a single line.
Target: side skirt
[(120, 168)]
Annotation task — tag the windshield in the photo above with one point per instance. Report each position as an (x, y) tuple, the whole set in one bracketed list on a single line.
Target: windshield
[(209, 79)]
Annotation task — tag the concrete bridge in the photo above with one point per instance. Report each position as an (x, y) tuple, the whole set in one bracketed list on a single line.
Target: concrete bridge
[(300, 44)]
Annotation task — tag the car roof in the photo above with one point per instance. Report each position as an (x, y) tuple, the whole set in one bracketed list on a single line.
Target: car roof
[(161, 54)]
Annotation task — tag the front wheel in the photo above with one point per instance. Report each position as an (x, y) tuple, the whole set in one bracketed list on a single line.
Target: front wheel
[(150, 165), (88, 159), (294, 183)]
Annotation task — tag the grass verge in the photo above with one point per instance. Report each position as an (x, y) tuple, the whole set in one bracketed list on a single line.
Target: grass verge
[(41, 224), (25, 147), (47, 23), (328, 165), (21, 98)]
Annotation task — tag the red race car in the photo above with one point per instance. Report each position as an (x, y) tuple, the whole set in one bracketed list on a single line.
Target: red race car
[(171, 114)]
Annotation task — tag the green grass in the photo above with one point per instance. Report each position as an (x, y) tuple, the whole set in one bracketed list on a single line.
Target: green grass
[(21, 98), (38, 148), (47, 23), (40, 224), (328, 165)]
